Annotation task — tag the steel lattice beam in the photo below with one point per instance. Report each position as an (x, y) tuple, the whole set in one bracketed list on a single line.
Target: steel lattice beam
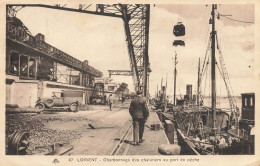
[(120, 72), (136, 23), (27, 40)]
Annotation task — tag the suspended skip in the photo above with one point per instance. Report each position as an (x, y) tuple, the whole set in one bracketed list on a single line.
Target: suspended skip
[(179, 29), (179, 43)]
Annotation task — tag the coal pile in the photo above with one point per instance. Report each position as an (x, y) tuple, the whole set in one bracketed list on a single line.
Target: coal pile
[(41, 137)]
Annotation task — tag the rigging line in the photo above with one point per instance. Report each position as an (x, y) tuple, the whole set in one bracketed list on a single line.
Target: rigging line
[(221, 56), (247, 22), (206, 67), (180, 12), (219, 29), (204, 61), (220, 95), (210, 82), (205, 83), (207, 36), (220, 71), (206, 55), (232, 100), (207, 28), (178, 8), (202, 24), (222, 75)]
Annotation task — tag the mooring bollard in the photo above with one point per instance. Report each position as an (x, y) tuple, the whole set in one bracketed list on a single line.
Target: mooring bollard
[(169, 149)]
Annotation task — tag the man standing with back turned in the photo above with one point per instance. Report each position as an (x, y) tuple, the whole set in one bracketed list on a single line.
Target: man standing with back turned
[(110, 102), (139, 112)]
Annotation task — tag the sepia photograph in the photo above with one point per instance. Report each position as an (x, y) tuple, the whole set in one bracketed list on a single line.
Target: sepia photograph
[(111, 83)]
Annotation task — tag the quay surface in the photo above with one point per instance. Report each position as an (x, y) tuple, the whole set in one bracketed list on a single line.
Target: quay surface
[(74, 129)]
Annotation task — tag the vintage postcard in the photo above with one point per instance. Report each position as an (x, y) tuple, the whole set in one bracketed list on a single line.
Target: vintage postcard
[(129, 82)]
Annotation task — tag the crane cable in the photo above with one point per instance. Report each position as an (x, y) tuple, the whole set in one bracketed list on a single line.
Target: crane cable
[(247, 22)]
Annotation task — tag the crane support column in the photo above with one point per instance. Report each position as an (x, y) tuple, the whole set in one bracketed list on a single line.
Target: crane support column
[(133, 64), (145, 57)]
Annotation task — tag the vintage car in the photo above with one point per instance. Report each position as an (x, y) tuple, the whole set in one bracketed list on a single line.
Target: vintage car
[(61, 100)]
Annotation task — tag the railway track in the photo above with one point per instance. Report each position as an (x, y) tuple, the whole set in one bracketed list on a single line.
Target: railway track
[(122, 146)]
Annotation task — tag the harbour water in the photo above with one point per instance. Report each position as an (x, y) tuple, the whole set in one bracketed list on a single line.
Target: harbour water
[(222, 102)]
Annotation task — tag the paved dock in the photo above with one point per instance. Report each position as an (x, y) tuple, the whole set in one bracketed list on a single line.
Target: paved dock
[(152, 139)]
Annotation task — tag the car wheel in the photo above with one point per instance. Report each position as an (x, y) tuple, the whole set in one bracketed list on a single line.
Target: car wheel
[(49, 102), (74, 107), (40, 106)]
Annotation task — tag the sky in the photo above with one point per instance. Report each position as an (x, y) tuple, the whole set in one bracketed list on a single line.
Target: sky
[(101, 41)]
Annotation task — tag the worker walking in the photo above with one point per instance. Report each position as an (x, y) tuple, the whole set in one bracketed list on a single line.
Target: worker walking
[(105, 99), (110, 102), (123, 100), (139, 112)]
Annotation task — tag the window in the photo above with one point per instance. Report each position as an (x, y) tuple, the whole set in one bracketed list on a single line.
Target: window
[(14, 63), (75, 77), (58, 94), (83, 80), (32, 68), (45, 69), (91, 80), (251, 101), (87, 80), (245, 101), (24, 66)]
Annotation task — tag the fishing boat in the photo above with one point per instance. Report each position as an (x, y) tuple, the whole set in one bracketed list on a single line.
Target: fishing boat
[(206, 130)]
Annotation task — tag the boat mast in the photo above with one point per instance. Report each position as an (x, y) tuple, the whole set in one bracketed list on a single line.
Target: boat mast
[(213, 74), (157, 94), (198, 88), (175, 73)]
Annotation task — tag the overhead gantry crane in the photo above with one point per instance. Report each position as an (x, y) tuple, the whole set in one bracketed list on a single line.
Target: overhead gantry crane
[(136, 19)]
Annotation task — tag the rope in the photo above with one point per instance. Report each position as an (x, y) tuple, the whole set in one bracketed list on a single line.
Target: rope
[(203, 20), (209, 84), (247, 22), (227, 82), (205, 83), (204, 62), (205, 69)]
